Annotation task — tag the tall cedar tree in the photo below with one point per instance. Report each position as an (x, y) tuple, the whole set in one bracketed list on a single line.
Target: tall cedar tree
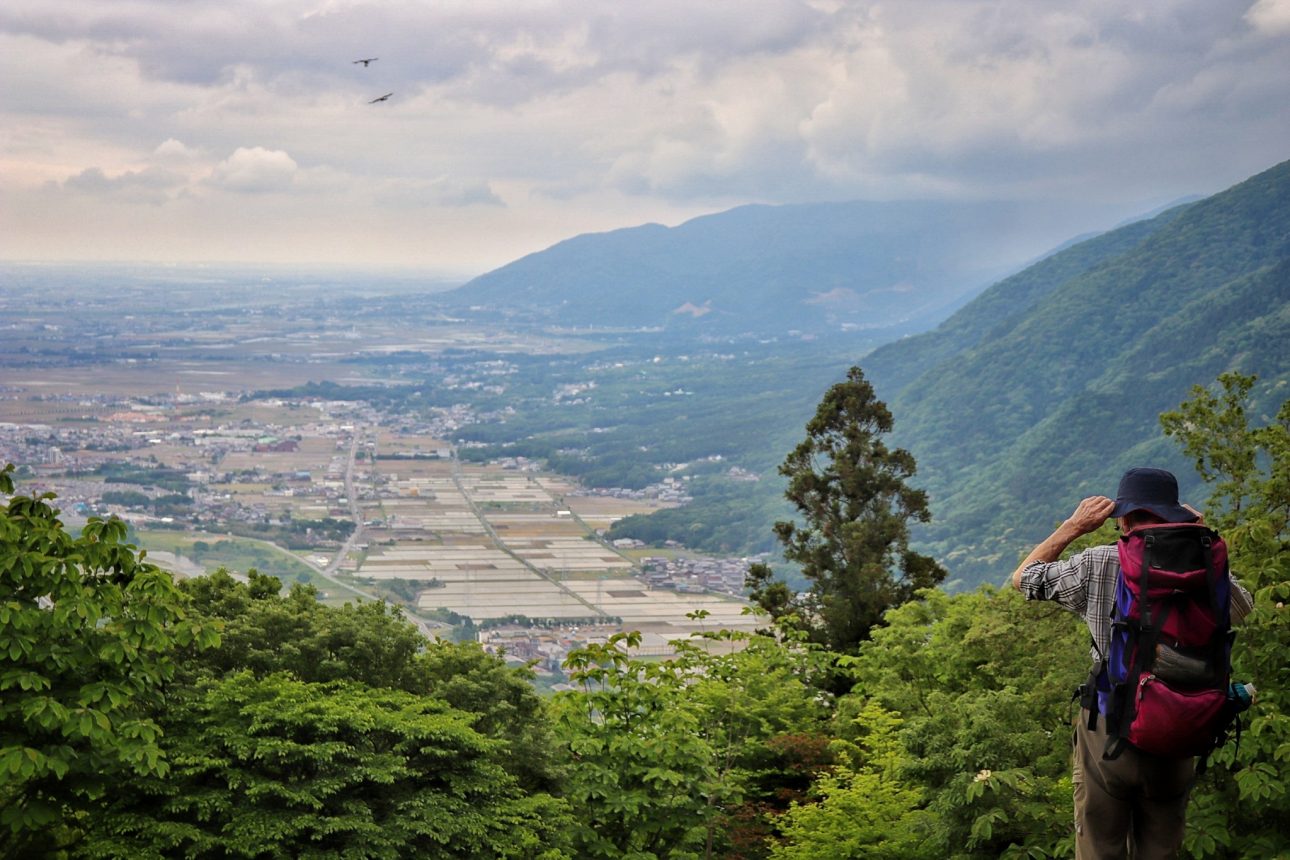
[(853, 541)]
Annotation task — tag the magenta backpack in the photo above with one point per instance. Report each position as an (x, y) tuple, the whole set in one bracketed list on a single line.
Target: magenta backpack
[(1165, 688)]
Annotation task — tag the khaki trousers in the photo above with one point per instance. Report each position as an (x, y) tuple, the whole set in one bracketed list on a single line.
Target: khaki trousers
[(1133, 806)]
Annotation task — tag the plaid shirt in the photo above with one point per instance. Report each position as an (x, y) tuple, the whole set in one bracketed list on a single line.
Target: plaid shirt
[(1085, 584)]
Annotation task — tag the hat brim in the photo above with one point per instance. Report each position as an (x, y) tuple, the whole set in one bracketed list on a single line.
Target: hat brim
[(1168, 513)]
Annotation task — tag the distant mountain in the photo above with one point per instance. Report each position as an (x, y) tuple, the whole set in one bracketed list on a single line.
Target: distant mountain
[(1047, 385), (899, 266)]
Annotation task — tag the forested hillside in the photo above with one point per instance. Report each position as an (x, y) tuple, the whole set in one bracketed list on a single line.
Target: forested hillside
[(893, 366), (212, 718), (1046, 387)]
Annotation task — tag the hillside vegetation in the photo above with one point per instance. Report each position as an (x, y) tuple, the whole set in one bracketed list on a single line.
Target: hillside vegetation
[(214, 719), (1046, 387)]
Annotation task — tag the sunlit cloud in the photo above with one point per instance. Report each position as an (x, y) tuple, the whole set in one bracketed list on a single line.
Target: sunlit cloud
[(1270, 17), (255, 170), (174, 150)]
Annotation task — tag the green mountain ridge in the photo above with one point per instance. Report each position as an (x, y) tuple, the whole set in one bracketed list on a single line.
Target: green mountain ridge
[(988, 315), (1046, 386)]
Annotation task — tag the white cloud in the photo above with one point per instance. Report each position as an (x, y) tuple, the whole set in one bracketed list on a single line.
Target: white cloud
[(174, 150), (1270, 17), (255, 170)]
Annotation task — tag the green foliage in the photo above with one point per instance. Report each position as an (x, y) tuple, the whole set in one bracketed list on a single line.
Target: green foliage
[(955, 740), (87, 633), (669, 758), (1240, 802), (126, 498), (276, 767), (295, 534), (644, 783), (724, 517), (173, 480), (856, 816), (309, 730), (503, 704), (1056, 390), (963, 702), (979, 685), (765, 716), (852, 493), (267, 633), (1213, 429), (371, 643)]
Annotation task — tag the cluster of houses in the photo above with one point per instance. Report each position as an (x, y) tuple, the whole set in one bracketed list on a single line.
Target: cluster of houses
[(545, 651), (697, 575), (670, 490)]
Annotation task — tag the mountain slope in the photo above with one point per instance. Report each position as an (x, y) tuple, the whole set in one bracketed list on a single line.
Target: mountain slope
[(1031, 397), (769, 269), (894, 366)]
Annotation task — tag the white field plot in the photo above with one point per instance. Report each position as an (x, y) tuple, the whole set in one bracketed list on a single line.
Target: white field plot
[(562, 554), (660, 610), (504, 488), (477, 577), (447, 563), (481, 596), (410, 515), (527, 556), (477, 580), (554, 544), (430, 504)]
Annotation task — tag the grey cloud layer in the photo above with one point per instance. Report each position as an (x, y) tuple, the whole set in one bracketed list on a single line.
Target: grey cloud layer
[(497, 45), (515, 107)]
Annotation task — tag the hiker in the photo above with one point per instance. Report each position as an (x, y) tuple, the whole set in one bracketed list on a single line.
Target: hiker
[(1134, 803)]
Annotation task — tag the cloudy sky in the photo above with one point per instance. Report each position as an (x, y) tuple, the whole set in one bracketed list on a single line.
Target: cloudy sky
[(241, 130)]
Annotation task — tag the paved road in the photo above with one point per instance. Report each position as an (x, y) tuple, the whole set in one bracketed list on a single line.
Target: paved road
[(351, 497), (428, 629), (328, 572)]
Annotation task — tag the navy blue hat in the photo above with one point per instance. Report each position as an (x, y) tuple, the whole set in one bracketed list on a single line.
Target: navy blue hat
[(1153, 490)]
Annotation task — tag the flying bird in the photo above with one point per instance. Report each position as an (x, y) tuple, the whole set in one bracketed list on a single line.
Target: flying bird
[(365, 62), (380, 98)]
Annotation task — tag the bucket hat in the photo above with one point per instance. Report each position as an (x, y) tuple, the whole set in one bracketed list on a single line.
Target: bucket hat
[(1153, 490)]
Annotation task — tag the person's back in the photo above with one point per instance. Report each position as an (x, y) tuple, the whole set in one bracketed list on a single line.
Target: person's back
[(1133, 804)]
